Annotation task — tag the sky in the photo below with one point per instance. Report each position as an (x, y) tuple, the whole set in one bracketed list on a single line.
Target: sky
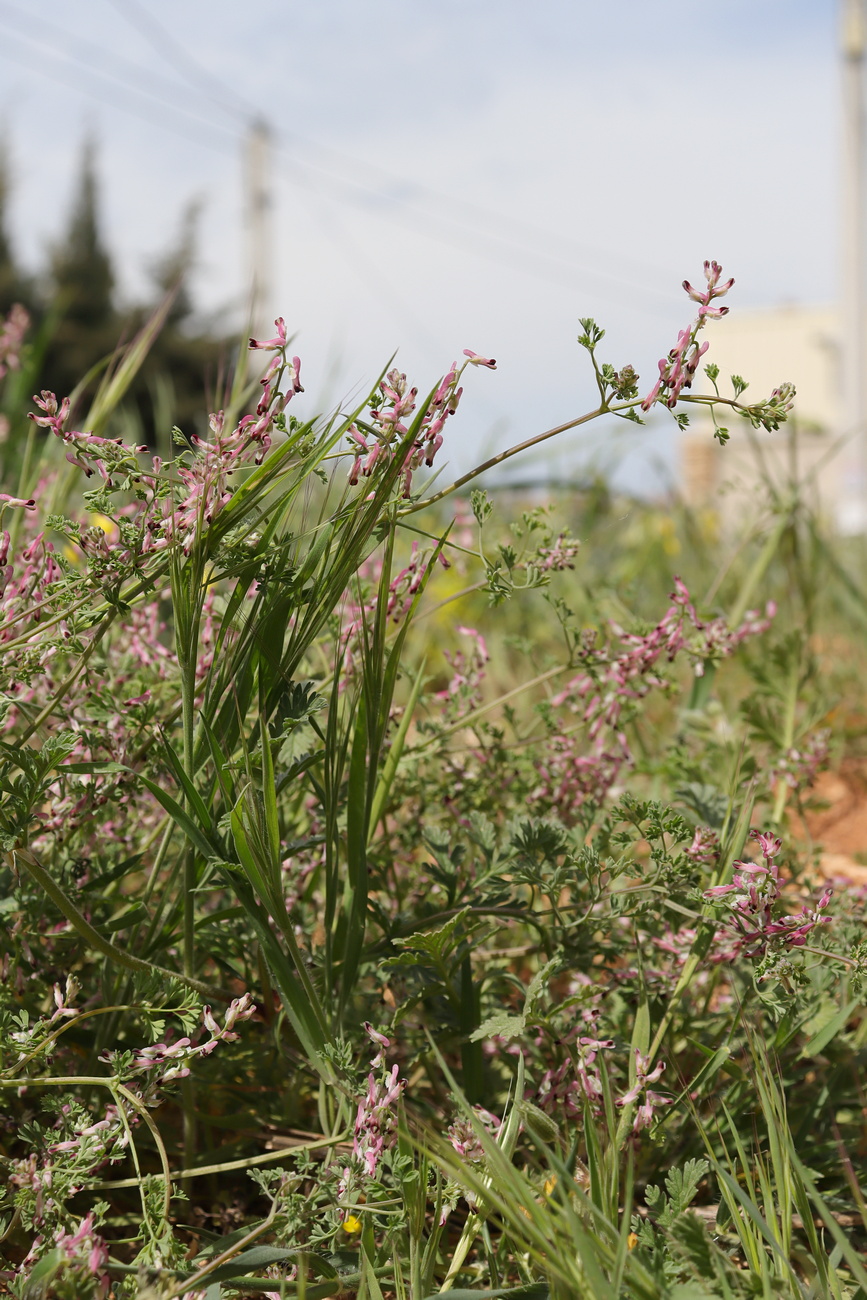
[(448, 175)]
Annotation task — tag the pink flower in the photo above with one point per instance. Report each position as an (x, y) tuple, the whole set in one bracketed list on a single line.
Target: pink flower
[(279, 341), (11, 338), (768, 843), (476, 360), (379, 1040), (29, 504)]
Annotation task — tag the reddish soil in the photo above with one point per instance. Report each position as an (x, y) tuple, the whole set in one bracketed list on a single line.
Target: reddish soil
[(839, 822)]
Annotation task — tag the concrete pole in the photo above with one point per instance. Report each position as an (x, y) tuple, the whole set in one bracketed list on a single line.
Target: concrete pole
[(258, 153), (854, 47)]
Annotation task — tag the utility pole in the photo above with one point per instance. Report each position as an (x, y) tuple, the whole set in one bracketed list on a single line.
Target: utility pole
[(258, 156), (854, 47)]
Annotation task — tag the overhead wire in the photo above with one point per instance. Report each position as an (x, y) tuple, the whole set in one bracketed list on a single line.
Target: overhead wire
[(66, 72), (357, 259), (166, 47), (535, 261), (164, 43)]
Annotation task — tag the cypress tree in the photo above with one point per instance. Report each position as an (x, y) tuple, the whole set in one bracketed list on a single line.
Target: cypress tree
[(83, 278), (82, 282), (14, 285)]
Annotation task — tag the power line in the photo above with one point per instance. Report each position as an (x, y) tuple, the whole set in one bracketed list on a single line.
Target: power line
[(164, 44), (66, 73), (535, 261)]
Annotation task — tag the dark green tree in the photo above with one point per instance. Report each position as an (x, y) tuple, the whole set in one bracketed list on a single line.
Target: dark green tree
[(187, 364), (15, 286), (180, 380), (83, 278), (86, 325)]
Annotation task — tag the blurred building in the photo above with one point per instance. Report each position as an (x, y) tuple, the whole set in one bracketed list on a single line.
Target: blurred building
[(801, 344)]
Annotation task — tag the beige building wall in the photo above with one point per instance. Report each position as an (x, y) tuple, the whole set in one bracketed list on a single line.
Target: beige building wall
[(796, 343)]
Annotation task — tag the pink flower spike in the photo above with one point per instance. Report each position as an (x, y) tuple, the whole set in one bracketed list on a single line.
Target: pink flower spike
[(476, 360)]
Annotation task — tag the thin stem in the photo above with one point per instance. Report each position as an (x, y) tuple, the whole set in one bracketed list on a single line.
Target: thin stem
[(469, 718), (77, 1020), (144, 1113), (512, 451), (69, 682), (188, 699), (759, 569), (94, 939), (191, 1283), (783, 787), (228, 1166), (152, 1227)]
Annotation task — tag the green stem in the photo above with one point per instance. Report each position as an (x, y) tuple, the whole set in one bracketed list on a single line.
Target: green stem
[(468, 1236), (188, 658), (97, 941), (759, 569), (782, 791), (191, 1283), (511, 451), (228, 1166), (188, 702), (68, 683), (469, 718)]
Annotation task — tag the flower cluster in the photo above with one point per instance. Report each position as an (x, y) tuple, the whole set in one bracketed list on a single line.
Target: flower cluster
[(165, 516), (89, 452), (402, 591), (569, 778), (753, 898), (705, 846), (86, 1248), (561, 554), (678, 369), (384, 433), (467, 1141), (644, 1076), (25, 587), (376, 1117), (12, 332), (464, 1135), (612, 683), (565, 1090), (171, 1061), (468, 670), (800, 765)]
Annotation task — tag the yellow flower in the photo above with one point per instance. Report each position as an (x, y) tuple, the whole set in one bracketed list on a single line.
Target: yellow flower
[(632, 1241), (550, 1184), (351, 1224)]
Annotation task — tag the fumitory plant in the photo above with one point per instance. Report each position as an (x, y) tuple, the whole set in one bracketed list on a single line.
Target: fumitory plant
[(247, 803)]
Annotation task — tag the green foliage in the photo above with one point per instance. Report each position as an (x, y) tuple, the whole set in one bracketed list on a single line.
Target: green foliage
[(311, 857)]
